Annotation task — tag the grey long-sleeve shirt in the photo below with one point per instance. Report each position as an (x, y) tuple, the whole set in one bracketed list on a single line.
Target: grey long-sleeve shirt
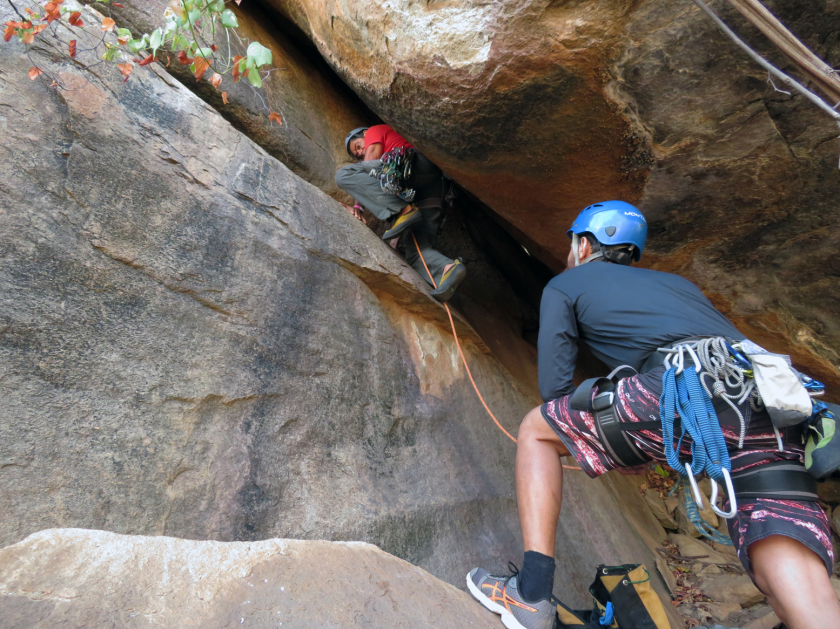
[(622, 313)]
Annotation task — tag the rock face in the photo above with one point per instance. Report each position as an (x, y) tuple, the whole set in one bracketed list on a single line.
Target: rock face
[(541, 107), (76, 579), (195, 342)]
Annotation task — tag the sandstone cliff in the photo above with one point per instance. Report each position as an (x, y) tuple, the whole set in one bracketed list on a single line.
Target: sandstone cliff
[(197, 343)]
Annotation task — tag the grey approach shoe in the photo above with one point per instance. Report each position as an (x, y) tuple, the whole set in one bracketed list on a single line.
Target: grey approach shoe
[(501, 596)]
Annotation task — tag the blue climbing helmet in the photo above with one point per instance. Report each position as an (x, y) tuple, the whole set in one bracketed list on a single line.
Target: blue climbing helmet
[(353, 134), (613, 223)]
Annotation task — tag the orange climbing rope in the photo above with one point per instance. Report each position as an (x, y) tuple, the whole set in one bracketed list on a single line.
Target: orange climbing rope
[(464, 358)]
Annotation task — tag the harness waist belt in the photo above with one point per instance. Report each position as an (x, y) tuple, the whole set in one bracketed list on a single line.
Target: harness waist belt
[(778, 480)]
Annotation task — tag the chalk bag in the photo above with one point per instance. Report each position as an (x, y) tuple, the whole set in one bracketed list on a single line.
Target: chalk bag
[(623, 599)]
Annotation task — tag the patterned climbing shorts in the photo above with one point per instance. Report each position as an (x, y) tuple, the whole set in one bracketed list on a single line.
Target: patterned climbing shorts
[(638, 400)]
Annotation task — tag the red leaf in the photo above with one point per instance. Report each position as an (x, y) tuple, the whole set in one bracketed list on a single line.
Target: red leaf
[(147, 60), (275, 118), (75, 19), (72, 48), (10, 30), (126, 69), (31, 12), (117, 4), (28, 38), (52, 11), (39, 28), (201, 66), (108, 24), (34, 73), (183, 59), (122, 41), (224, 98), (216, 80), (236, 61)]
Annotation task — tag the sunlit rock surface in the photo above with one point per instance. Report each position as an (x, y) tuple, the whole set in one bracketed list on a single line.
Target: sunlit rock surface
[(78, 579)]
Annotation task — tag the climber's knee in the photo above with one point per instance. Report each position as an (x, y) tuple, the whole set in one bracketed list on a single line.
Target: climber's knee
[(535, 428), (343, 176)]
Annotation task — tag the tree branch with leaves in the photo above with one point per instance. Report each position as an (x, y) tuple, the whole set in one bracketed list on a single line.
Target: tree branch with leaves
[(188, 31)]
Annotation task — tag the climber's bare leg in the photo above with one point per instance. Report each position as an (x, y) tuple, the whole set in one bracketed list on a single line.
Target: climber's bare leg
[(796, 583), (539, 482)]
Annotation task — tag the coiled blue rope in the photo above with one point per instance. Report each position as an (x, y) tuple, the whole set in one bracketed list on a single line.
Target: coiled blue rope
[(682, 393)]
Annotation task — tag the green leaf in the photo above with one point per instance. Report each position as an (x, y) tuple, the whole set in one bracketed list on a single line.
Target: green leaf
[(254, 78), (207, 53), (229, 19), (193, 15), (218, 6), (155, 40), (259, 53), (661, 471), (123, 32), (136, 45)]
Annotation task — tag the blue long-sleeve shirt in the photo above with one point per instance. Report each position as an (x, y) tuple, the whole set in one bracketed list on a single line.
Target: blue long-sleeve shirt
[(622, 313)]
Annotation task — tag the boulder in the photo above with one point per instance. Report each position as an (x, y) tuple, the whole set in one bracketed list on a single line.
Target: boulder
[(721, 611), (731, 588), (706, 514), (77, 578), (666, 574), (657, 506), (195, 342), (767, 621), (541, 108), (690, 547)]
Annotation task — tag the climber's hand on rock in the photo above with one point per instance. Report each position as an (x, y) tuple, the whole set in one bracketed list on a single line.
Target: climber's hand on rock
[(355, 211)]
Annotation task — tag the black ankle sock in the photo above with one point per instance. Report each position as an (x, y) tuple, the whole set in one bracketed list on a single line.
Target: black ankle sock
[(536, 580)]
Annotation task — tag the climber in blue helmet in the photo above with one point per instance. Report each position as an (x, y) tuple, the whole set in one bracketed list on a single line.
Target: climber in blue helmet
[(625, 315)]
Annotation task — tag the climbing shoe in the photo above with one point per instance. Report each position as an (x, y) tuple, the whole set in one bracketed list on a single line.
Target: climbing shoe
[(449, 281), (403, 222), (501, 596), (822, 444)]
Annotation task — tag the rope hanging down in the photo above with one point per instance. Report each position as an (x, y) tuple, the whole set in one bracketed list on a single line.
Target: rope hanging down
[(464, 358)]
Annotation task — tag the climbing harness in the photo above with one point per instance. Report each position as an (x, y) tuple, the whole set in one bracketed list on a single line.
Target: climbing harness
[(464, 358), (394, 172), (705, 373), (610, 429)]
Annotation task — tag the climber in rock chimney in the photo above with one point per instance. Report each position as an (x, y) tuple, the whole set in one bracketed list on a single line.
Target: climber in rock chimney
[(396, 182), (683, 351)]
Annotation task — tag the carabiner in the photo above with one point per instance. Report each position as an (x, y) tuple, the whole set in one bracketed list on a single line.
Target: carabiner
[(680, 362), (697, 366), (733, 503), (695, 489)]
